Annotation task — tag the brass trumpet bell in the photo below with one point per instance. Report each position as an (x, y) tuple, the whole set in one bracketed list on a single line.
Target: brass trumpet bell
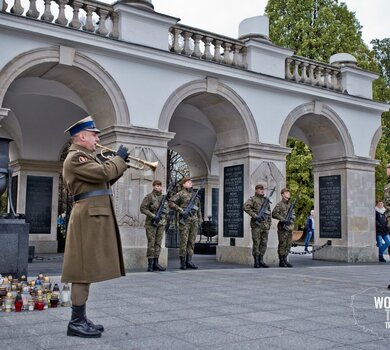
[(108, 153)]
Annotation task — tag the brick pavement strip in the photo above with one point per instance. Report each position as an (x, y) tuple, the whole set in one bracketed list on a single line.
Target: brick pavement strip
[(312, 306)]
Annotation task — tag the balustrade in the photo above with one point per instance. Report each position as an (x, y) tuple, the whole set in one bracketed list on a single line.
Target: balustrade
[(90, 16), (303, 70), (189, 41)]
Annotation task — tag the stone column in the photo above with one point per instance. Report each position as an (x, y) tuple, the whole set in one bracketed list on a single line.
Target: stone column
[(40, 213), (130, 189), (264, 164), (351, 218)]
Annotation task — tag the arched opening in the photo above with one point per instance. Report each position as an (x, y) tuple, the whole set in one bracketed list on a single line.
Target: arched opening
[(44, 94)]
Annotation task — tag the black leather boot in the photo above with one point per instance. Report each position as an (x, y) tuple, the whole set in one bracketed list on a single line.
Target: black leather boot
[(190, 264), (78, 325), (261, 262), (285, 261), (157, 266), (150, 264), (256, 264), (281, 261), (182, 263), (98, 327)]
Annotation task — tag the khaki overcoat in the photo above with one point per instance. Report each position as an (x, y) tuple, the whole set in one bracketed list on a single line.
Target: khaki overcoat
[(93, 249)]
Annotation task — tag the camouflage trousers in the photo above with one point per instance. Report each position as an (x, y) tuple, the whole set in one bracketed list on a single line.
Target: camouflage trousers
[(154, 236), (188, 233), (285, 242), (260, 239)]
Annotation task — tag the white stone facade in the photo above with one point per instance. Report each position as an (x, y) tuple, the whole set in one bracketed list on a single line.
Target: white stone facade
[(151, 84)]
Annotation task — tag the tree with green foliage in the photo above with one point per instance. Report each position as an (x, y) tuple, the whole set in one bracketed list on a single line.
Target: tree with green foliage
[(381, 51), (318, 29)]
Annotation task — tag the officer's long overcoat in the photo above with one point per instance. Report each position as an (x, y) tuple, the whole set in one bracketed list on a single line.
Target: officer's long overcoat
[(93, 250)]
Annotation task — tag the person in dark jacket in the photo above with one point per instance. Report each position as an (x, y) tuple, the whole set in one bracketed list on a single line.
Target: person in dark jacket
[(309, 229), (382, 231)]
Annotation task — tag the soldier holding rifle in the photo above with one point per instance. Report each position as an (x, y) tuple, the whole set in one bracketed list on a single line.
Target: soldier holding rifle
[(155, 207), (284, 212), (187, 204), (258, 207)]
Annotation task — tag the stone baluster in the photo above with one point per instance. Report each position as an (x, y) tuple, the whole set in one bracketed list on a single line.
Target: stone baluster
[(187, 43), (115, 25), (244, 63), (61, 19), (312, 78), (227, 59), (176, 40), (102, 29), (75, 22), (305, 72), (236, 55), (328, 78), (296, 70), (89, 27), (197, 52), (207, 55), (289, 75), (217, 50), (47, 15), (320, 76), (32, 11), (5, 6), (17, 9), (335, 80)]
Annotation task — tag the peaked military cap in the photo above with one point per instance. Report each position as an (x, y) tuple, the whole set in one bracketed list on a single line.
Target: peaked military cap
[(87, 124)]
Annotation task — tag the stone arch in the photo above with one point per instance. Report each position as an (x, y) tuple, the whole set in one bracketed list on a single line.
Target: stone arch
[(374, 142), (209, 85), (304, 123), (28, 63)]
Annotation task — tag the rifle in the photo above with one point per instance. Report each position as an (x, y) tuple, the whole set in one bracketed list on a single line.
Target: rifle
[(290, 212), (261, 213), (187, 211), (160, 209)]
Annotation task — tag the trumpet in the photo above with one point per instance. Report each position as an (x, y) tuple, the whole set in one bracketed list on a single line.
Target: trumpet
[(140, 163)]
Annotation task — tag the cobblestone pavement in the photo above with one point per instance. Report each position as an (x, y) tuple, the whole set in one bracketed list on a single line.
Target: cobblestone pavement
[(315, 305)]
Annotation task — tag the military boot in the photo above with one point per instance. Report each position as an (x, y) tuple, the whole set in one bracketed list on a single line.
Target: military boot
[(182, 263), (285, 261), (150, 264), (189, 263), (261, 262), (157, 266), (281, 261), (78, 325), (256, 264)]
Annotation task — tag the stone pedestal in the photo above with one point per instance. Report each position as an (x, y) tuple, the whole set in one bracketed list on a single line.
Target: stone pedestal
[(14, 247)]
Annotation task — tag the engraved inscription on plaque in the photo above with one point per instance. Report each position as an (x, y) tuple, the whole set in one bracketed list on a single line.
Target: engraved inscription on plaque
[(38, 203), (233, 195), (330, 206)]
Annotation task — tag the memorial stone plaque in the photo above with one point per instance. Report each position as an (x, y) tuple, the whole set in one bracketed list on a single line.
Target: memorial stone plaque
[(39, 203), (214, 204), (233, 196), (330, 206)]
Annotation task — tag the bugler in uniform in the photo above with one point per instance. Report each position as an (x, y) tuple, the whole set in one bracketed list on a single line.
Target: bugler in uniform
[(93, 250), (259, 230), (154, 232)]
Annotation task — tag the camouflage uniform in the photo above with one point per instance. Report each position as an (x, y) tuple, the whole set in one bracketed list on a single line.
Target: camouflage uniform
[(189, 229), (149, 207), (284, 234), (259, 231), (386, 201)]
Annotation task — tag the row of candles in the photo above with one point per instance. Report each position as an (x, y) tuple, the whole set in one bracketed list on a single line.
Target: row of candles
[(29, 295)]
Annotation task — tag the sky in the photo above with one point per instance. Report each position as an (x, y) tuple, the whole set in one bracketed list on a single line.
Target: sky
[(224, 16)]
